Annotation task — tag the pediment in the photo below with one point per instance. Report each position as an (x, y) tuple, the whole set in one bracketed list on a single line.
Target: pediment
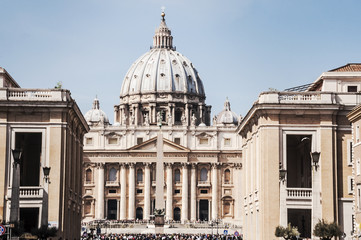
[(204, 135), (151, 146)]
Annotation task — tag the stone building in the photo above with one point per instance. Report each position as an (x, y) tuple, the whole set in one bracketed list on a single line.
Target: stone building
[(202, 161), (48, 127), (355, 182), (297, 156)]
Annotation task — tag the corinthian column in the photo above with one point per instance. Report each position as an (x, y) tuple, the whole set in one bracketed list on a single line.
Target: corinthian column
[(193, 192), (100, 196), (169, 207), (214, 191), (123, 193), (184, 193), (131, 207), (147, 191)]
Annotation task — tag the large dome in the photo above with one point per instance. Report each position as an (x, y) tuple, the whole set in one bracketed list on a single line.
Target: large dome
[(162, 69)]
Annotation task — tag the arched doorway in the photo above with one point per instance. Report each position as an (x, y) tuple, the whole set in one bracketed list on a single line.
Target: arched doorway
[(176, 214), (139, 213)]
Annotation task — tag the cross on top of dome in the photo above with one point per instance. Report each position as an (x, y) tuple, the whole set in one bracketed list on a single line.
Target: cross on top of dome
[(163, 37)]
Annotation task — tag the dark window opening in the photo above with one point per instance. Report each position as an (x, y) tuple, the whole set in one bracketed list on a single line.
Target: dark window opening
[(299, 171), (177, 141), (112, 191), (139, 213), (177, 191), (112, 209), (29, 217), (300, 218), (204, 191), (139, 191), (178, 116), (139, 141), (30, 144), (352, 89)]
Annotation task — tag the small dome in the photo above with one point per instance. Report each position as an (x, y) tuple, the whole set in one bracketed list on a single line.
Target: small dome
[(95, 116), (226, 116)]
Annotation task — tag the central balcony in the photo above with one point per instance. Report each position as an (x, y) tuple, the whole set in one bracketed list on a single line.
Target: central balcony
[(29, 193), (299, 196)]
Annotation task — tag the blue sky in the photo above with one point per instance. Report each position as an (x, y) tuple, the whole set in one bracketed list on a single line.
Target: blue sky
[(240, 48)]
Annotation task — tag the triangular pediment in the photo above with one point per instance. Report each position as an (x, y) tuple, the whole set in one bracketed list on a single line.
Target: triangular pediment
[(151, 146)]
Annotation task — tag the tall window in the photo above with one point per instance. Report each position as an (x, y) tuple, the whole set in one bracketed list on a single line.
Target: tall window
[(87, 207), (227, 208), (139, 175), (112, 174), (227, 176), (177, 176), (88, 176), (204, 175)]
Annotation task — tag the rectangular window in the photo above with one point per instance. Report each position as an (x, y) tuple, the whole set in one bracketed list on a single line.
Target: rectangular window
[(113, 140), (203, 141), (112, 191), (139, 191), (349, 152), (139, 141), (89, 141), (203, 191), (227, 142), (351, 88), (177, 141), (358, 200), (350, 181), (177, 191)]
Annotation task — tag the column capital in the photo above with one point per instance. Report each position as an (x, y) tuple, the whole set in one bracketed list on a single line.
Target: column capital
[(131, 165), (147, 164), (185, 164), (100, 165), (237, 165), (194, 165), (215, 165), (169, 164)]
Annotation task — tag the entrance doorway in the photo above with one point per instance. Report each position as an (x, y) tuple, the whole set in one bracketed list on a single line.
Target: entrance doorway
[(203, 210), (139, 213), (300, 218), (30, 218), (177, 214), (112, 209)]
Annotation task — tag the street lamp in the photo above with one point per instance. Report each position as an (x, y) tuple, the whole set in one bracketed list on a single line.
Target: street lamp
[(283, 173), (46, 171), (315, 158), (15, 191)]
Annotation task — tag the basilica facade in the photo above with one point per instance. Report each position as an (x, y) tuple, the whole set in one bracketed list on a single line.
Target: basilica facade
[(162, 93), (289, 160)]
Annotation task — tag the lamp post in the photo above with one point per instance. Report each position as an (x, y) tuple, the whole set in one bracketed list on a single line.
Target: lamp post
[(15, 189), (315, 158), (46, 171)]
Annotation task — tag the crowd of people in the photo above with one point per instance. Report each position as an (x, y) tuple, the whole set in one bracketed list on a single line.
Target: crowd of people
[(160, 237)]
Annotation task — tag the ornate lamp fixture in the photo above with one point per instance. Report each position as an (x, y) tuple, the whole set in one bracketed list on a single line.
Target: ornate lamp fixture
[(46, 171), (315, 158)]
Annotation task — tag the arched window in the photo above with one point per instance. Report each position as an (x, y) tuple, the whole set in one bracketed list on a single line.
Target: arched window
[(227, 176), (112, 175), (204, 175), (177, 214), (139, 175), (88, 175), (226, 208), (177, 176)]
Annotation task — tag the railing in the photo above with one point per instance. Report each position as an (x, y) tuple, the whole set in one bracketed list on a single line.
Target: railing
[(112, 183), (21, 94), (299, 193), (204, 183), (31, 192), (310, 97)]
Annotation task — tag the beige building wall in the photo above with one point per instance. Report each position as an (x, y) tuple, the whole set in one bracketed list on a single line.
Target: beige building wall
[(54, 115)]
